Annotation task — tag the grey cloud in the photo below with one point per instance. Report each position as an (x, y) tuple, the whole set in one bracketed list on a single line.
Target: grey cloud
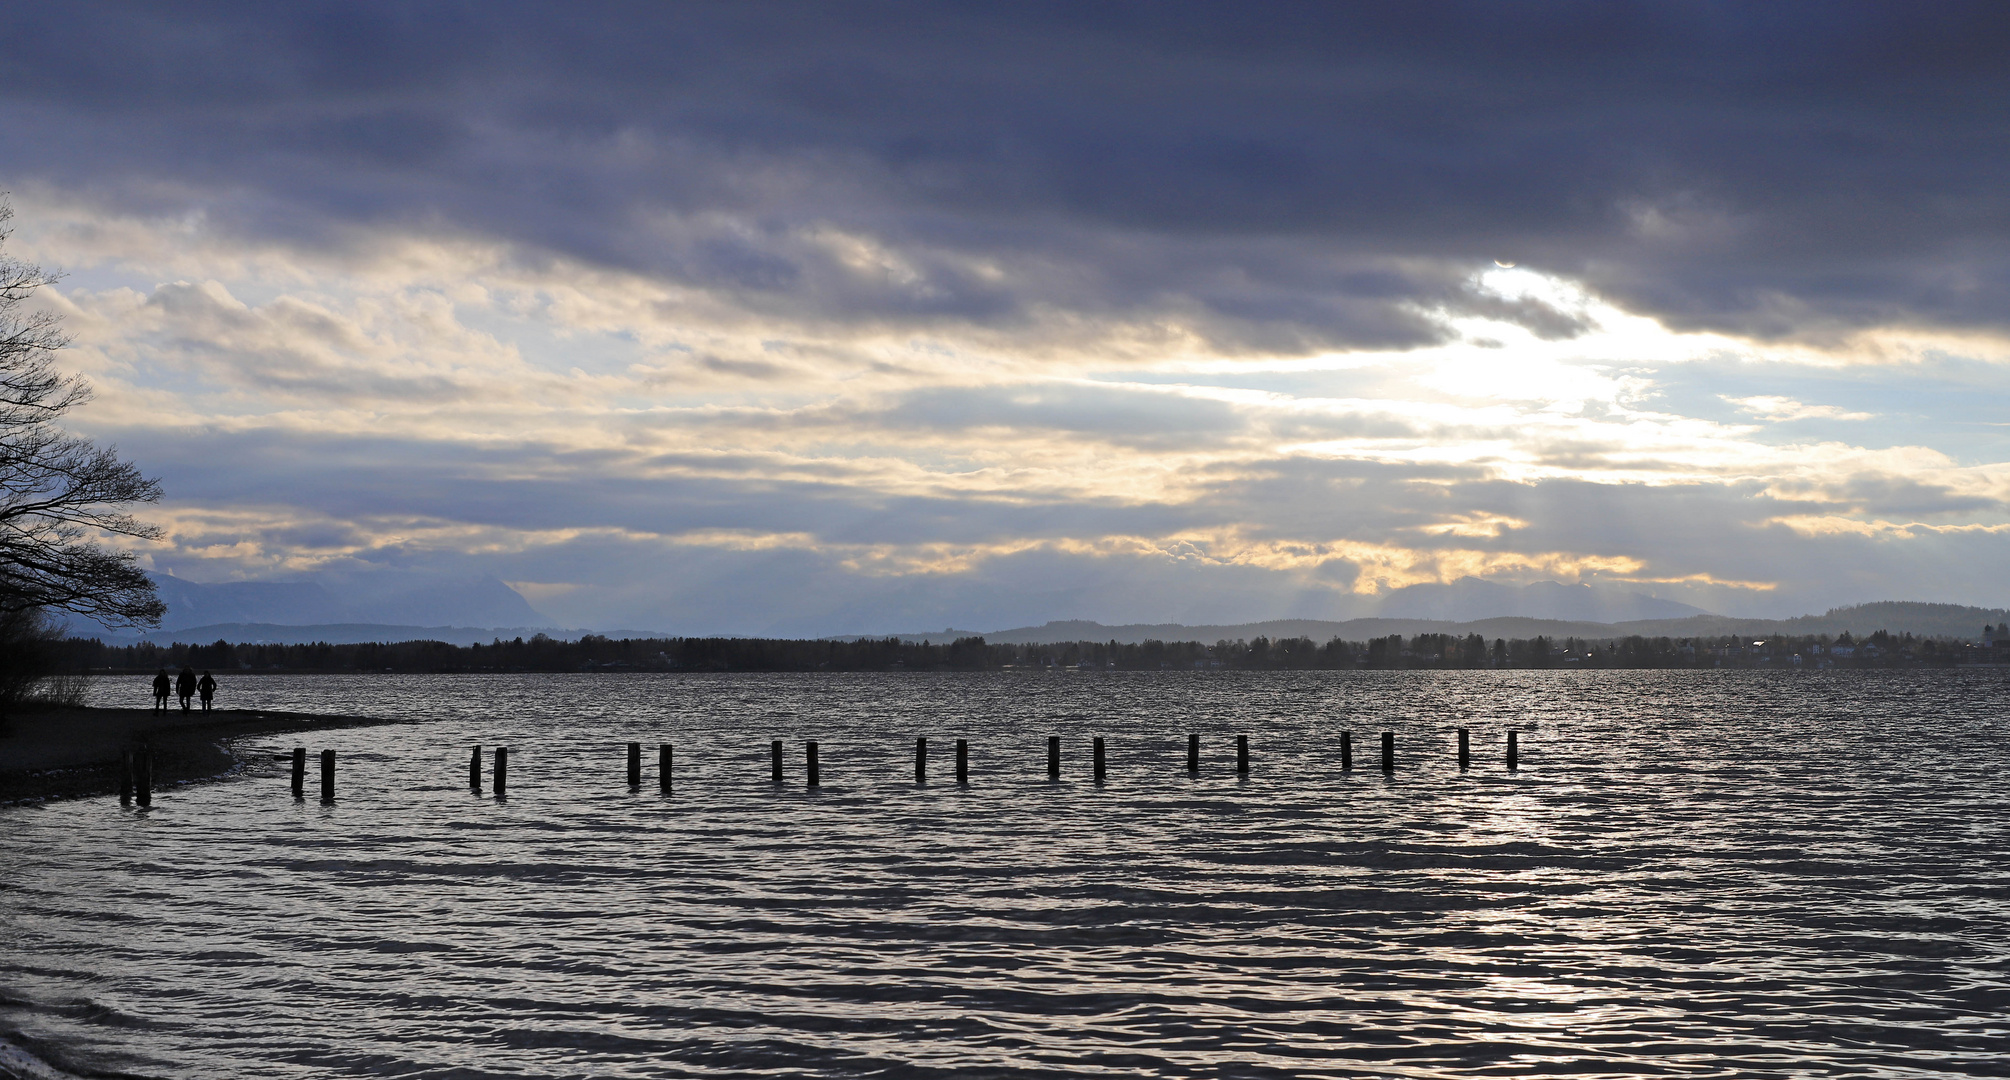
[(1147, 420), (629, 582), (1678, 530), (1685, 527), (1542, 320), (533, 487), (1793, 168), (538, 488), (745, 369), (285, 348), (1883, 495), (320, 534), (1116, 414), (315, 535)]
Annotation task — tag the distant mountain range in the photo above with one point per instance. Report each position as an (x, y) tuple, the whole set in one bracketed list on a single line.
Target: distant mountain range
[(1927, 620), (1415, 609)]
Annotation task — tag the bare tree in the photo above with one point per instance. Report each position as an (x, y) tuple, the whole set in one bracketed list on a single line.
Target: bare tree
[(60, 493)]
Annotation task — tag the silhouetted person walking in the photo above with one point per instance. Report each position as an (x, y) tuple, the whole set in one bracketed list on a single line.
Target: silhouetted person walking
[(162, 687), (185, 686), (206, 688)]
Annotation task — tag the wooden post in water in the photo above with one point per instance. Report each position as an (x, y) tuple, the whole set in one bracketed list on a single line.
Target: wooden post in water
[(1346, 751), (1053, 757), (810, 753), (1099, 759), (1242, 755), (143, 777), (474, 770), (1465, 752), (502, 772), (635, 765), (299, 772), (327, 776), (663, 768), (921, 760), (963, 761), (126, 778), (1193, 755), (1514, 752), (775, 760), (1388, 751)]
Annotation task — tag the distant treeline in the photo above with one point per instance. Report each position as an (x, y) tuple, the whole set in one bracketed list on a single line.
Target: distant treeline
[(594, 653)]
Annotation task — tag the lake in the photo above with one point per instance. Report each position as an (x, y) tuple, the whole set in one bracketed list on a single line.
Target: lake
[(1751, 874)]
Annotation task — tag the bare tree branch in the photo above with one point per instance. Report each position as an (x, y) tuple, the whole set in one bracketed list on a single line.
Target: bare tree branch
[(60, 494)]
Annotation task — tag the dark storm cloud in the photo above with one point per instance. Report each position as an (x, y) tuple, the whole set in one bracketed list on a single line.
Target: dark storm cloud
[(1285, 176)]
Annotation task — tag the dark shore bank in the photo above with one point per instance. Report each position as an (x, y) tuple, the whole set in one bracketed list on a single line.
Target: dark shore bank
[(73, 753)]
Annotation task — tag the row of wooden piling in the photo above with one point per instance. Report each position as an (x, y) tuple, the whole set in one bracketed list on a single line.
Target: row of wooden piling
[(300, 773), (1098, 758), (138, 764), (500, 775)]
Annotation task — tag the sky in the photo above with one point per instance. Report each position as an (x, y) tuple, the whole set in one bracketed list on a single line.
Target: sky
[(808, 318)]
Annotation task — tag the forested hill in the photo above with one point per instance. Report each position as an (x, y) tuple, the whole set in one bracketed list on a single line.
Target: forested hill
[(1926, 620), (594, 653)]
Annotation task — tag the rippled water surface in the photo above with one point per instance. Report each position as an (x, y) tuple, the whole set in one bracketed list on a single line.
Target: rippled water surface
[(1693, 874)]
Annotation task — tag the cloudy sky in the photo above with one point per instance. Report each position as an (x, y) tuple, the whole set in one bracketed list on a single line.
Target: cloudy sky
[(771, 318)]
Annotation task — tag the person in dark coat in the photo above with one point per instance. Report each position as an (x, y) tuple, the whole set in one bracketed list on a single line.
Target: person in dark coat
[(185, 686), (207, 689), (162, 687)]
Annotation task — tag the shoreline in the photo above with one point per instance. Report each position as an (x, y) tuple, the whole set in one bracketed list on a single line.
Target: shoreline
[(75, 753)]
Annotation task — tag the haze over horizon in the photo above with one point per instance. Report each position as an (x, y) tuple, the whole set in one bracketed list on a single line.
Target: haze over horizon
[(796, 320), (387, 600)]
